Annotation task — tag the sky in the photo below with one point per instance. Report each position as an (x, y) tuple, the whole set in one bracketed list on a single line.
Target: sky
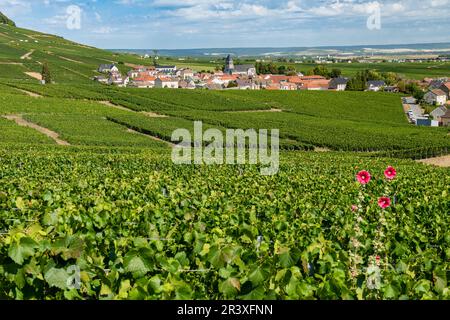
[(173, 24)]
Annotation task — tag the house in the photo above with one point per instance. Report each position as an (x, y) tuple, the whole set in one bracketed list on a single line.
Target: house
[(247, 84), (445, 119), (143, 82), (446, 88), (108, 68), (438, 113), (290, 86), (375, 85), (273, 86), (166, 69), (185, 73), (275, 79), (101, 79), (223, 80), (248, 70), (214, 86), (315, 85), (186, 84), (133, 74), (436, 84), (115, 79), (436, 97), (392, 89), (166, 82), (338, 84)]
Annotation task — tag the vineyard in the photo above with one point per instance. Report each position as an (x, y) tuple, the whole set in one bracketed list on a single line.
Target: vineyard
[(92, 207), (367, 122), (138, 228)]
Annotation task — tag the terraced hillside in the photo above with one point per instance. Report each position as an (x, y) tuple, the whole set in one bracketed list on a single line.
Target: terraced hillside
[(23, 51)]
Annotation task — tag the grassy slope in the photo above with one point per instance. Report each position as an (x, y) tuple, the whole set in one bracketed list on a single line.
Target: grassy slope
[(69, 62)]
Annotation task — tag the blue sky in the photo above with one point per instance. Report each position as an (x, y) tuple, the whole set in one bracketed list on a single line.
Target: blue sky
[(173, 24)]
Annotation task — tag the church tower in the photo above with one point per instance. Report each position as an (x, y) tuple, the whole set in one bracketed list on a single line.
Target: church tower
[(229, 65)]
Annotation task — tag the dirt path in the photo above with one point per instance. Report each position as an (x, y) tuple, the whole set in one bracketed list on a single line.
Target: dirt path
[(71, 60), (145, 113), (321, 149), (151, 137), (26, 56), (153, 115), (112, 105), (12, 63), (252, 111), (49, 133), (35, 75), (31, 94), (439, 161)]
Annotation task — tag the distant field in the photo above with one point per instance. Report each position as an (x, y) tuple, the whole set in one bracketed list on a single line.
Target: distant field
[(409, 70), (416, 71)]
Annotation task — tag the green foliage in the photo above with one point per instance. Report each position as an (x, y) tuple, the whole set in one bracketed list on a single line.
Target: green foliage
[(272, 68), (5, 20), (139, 227), (46, 76)]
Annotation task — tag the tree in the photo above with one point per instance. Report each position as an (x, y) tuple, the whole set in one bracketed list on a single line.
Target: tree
[(321, 71), (358, 82), (336, 73), (155, 57), (390, 78), (46, 76), (415, 90)]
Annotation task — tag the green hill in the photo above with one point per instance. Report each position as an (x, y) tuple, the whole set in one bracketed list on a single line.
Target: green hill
[(5, 20), (23, 51)]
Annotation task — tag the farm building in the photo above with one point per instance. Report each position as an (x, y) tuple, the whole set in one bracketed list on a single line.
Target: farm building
[(108, 68), (166, 69), (445, 119), (438, 113), (164, 82), (338, 84), (375, 85), (445, 87), (436, 96)]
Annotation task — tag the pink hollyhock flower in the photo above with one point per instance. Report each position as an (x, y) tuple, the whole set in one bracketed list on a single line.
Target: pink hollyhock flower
[(390, 173), (363, 177), (354, 208), (384, 202)]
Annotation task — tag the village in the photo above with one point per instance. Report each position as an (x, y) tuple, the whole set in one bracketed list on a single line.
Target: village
[(433, 109)]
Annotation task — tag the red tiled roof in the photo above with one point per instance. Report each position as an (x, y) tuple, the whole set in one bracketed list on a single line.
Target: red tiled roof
[(316, 84), (309, 78), (145, 78), (439, 92), (165, 79)]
